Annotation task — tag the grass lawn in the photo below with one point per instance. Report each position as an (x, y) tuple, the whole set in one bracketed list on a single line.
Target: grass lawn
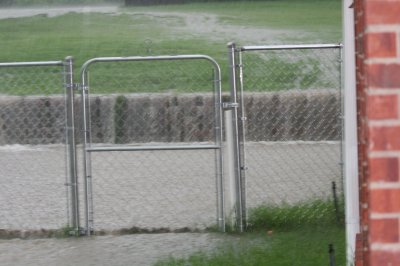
[(302, 246), (285, 235), (195, 28), (90, 35)]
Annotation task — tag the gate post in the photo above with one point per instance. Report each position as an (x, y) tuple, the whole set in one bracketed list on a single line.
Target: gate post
[(239, 182), (71, 143)]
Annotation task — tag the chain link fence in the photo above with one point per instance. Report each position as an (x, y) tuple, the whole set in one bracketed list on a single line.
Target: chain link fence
[(32, 147), (151, 135), (291, 119), (153, 144)]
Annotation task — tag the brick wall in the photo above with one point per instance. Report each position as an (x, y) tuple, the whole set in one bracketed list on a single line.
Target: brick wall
[(377, 24)]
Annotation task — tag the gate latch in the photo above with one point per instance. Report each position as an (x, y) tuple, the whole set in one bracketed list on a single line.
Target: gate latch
[(229, 105)]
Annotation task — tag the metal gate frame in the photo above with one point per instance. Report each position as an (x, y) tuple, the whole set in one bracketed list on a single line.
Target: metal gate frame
[(70, 134), (239, 116), (88, 148)]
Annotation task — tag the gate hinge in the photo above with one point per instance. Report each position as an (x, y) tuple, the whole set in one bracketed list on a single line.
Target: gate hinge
[(229, 105)]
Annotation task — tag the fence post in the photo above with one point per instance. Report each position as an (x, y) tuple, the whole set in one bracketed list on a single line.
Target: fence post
[(236, 148), (70, 138), (219, 153)]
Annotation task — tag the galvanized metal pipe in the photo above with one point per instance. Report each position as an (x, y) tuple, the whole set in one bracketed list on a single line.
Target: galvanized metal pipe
[(150, 148), (219, 152), (242, 139), (236, 148), (290, 47), (86, 156), (86, 65), (32, 64), (71, 143)]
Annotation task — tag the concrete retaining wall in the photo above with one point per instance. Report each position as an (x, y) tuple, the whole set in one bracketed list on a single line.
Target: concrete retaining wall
[(300, 115)]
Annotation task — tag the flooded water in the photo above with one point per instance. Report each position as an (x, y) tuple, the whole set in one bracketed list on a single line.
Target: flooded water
[(174, 189), (141, 250), (156, 189)]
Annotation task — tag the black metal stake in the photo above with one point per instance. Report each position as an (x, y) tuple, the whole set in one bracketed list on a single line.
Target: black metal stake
[(332, 261), (335, 202)]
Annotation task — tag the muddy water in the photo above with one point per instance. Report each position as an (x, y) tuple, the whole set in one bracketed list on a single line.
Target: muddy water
[(147, 190), (125, 250), (157, 189)]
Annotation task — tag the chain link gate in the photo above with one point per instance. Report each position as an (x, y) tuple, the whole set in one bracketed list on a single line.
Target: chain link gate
[(288, 127), (152, 147), (38, 192)]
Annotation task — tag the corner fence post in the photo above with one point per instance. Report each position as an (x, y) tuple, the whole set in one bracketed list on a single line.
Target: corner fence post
[(236, 148), (71, 143)]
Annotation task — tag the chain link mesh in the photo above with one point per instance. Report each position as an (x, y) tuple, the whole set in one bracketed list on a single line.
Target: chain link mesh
[(153, 103), (293, 132), (32, 152)]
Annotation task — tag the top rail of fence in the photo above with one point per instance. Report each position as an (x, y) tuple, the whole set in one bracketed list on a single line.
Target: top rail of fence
[(32, 64), (149, 58), (290, 47)]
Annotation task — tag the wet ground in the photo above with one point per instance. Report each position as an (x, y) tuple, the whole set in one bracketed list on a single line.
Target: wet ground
[(140, 250), (157, 189), (174, 189)]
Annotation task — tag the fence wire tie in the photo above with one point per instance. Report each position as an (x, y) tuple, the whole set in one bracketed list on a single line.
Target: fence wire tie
[(69, 86), (76, 86), (229, 105)]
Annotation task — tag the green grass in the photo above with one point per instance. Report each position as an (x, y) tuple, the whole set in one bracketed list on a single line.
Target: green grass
[(279, 235), (313, 213), (306, 246), (86, 36), (318, 16)]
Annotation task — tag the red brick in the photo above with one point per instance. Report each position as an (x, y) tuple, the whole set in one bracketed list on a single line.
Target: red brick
[(385, 200), (382, 106), (384, 230), (359, 250), (384, 169), (384, 138), (382, 12), (383, 75), (385, 258), (382, 44), (359, 21)]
